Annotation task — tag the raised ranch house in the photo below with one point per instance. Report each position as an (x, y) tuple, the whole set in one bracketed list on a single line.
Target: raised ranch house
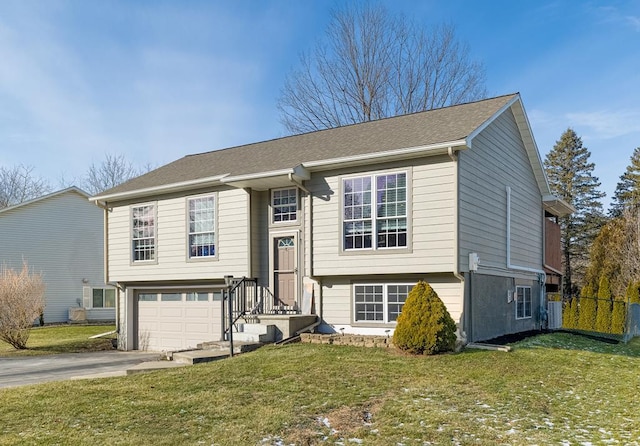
[(61, 236), (331, 229)]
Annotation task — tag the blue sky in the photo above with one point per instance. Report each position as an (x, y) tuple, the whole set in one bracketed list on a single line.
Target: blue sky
[(156, 80)]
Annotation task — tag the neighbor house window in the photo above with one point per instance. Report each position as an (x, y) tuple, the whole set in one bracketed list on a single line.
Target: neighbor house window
[(380, 303), (523, 302), (375, 211), (202, 227), (104, 298), (284, 203), (144, 232)]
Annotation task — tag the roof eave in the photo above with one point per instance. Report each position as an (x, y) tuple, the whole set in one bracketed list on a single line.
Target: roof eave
[(388, 155), (557, 206), (164, 189)]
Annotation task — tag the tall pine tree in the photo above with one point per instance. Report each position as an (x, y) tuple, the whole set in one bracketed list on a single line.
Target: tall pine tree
[(571, 178), (627, 195)]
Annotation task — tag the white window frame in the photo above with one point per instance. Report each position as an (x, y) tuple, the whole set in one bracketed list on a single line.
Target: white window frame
[(385, 301), (274, 205), (523, 301), (213, 232), (373, 218), (154, 245)]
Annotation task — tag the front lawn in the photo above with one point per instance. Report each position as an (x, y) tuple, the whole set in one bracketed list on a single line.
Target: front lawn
[(553, 389), (61, 339)]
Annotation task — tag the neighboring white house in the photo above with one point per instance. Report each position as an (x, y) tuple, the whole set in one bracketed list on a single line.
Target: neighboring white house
[(340, 224), (60, 235)]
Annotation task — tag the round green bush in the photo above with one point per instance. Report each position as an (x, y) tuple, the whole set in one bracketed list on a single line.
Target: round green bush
[(424, 326)]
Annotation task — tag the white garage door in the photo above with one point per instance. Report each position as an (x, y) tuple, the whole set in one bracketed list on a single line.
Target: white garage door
[(178, 320)]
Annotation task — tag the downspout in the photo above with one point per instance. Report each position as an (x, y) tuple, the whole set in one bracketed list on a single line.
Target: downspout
[(310, 240), (456, 238), (541, 273)]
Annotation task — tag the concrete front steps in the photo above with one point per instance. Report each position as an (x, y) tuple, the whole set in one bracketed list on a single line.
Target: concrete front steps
[(206, 352), (255, 333)]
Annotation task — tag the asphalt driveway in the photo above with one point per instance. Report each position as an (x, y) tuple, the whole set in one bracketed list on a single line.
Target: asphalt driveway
[(33, 370)]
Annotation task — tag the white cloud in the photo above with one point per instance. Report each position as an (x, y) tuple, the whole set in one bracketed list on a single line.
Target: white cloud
[(606, 124), (634, 21)]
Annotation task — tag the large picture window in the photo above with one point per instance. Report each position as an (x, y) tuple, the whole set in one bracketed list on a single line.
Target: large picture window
[(202, 227), (144, 233), (523, 302), (284, 203), (380, 303), (375, 211)]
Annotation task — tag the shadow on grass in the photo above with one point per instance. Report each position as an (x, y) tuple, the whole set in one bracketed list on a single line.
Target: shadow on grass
[(582, 341)]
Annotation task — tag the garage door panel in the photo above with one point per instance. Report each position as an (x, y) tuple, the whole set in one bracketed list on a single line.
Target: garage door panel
[(177, 325)]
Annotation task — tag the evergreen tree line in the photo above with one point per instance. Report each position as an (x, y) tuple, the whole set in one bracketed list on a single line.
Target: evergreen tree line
[(601, 253)]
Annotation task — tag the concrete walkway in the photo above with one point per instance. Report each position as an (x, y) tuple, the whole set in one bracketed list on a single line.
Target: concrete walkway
[(33, 370)]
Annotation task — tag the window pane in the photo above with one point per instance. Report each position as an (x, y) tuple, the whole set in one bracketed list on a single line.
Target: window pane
[(284, 205), (143, 233), (197, 296), (109, 298), (171, 297), (98, 298), (369, 303), (396, 297), (202, 227), (147, 297)]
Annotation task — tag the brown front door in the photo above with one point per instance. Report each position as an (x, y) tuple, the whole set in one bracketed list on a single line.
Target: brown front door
[(285, 270)]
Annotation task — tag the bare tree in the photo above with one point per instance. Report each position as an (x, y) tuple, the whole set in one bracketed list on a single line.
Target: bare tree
[(21, 303), (374, 65), (112, 171), (18, 184)]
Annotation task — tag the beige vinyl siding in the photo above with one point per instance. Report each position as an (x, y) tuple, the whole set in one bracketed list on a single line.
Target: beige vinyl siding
[(171, 262), (496, 160), (260, 236), (61, 237), (431, 216), (337, 299)]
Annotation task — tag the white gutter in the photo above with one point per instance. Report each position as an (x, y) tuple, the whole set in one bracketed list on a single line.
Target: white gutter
[(165, 188), (443, 148)]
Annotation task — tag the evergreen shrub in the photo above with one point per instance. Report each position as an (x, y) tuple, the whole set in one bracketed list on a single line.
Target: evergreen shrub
[(587, 311), (619, 316), (603, 313), (424, 326)]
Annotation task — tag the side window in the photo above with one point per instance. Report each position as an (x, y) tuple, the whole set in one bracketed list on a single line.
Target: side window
[(143, 237), (523, 302), (201, 227)]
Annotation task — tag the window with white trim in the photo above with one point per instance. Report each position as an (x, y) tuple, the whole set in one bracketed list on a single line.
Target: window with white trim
[(143, 237), (523, 302), (379, 303), (375, 211), (103, 298), (284, 203), (202, 227)]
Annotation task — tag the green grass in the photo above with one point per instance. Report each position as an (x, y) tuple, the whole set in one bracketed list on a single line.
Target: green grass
[(61, 339), (552, 389)]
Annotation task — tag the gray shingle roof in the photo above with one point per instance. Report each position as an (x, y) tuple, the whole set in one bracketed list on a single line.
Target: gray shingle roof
[(414, 130)]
